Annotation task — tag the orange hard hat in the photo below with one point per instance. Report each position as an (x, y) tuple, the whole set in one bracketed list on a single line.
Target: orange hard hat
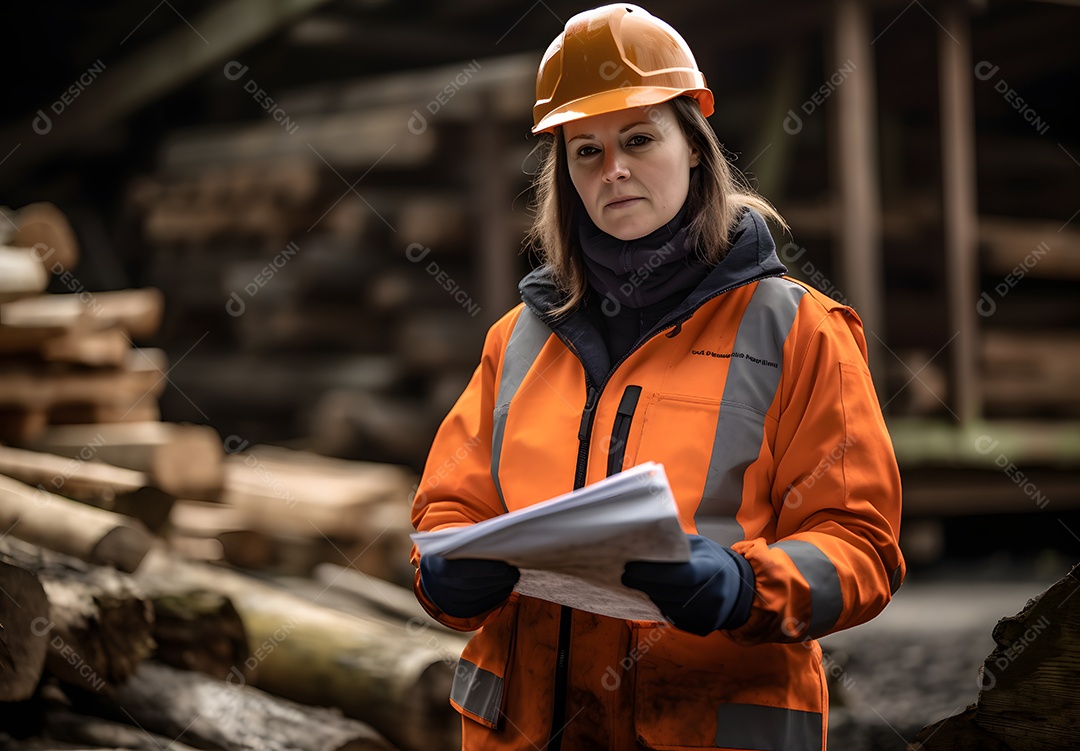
[(612, 58)]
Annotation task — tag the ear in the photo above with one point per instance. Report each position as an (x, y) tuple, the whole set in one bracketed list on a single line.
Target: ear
[(695, 157)]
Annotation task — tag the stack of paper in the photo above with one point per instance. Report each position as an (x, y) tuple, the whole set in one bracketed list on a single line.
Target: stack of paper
[(572, 549)]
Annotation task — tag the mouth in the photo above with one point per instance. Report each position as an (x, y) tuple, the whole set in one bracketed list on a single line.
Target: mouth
[(623, 202)]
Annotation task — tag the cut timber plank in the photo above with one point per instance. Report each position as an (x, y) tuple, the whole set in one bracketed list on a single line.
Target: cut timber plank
[(1029, 247), (21, 273), (136, 311), (46, 229), (183, 460)]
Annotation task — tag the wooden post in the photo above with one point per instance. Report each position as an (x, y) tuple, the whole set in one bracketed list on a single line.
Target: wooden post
[(494, 194), (856, 155), (961, 220)]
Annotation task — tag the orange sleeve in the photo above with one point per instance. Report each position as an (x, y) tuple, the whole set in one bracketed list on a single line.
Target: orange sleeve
[(835, 560), (456, 487)]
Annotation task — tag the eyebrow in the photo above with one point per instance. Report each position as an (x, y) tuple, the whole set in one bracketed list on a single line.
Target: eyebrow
[(631, 126)]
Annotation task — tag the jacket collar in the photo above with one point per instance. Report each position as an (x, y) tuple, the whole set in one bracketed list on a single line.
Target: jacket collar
[(752, 256)]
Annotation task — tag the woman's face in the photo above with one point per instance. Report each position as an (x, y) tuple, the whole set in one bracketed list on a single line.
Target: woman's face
[(631, 168)]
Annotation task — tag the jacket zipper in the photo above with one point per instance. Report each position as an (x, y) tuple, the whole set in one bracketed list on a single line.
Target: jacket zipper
[(566, 613), (562, 660)]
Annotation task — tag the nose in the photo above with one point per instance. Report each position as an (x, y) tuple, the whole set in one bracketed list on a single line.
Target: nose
[(614, 167)]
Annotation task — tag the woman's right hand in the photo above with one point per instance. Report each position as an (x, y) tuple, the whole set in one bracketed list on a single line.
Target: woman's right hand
[(466, 587)]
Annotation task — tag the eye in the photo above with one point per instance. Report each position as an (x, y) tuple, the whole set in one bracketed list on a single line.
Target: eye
[(638, 140), (585, 151)]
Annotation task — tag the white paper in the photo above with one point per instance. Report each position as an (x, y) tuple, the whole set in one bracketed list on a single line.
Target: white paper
[(572, 549)]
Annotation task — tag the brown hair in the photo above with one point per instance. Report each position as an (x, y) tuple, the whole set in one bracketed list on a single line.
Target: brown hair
[(717, 197)]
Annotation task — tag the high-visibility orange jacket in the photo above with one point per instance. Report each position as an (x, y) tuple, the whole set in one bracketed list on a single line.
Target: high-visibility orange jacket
[(756, 397)]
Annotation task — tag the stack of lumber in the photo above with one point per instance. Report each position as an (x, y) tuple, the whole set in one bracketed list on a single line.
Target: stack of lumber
[(68, 358), (314, 261), (287, 511), (107, 628)]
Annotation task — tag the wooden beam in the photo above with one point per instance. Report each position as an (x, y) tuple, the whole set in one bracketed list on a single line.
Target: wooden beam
[(160, 67), (961, 219)]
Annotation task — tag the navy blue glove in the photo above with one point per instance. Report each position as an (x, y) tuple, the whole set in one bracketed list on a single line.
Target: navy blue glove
[(710, 592), (466, 587)]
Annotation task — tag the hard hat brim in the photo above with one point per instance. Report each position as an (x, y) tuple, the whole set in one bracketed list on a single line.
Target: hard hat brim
[(619, 99)]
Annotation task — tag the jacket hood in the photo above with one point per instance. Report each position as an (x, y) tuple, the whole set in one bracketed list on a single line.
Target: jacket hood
[(752, 256)]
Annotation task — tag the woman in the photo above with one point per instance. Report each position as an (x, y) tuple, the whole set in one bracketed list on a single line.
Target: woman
[(661, 327)]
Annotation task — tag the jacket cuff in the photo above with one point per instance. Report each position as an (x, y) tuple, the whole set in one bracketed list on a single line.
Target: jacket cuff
[(744, 598)]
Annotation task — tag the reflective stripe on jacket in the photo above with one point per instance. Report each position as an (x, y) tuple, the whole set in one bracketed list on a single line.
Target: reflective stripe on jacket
[(756, 397)]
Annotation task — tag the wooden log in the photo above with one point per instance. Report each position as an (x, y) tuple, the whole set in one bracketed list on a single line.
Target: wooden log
[(376, 595), (65, 727), (99, 624), (45, 228), (21, 273), (199, 630), (23, 608), (1027, 700), (92, 534), (136, 311), (213, 714), (395, 678), (182, 460), (81, 478)]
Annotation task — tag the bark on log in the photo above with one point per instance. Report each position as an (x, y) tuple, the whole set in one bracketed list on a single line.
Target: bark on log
[(23, 607), (64, 726), (183, 460), (99, 624), (395, 678), (91, 534), (199, 630), (1028, 696), (213, 714)]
